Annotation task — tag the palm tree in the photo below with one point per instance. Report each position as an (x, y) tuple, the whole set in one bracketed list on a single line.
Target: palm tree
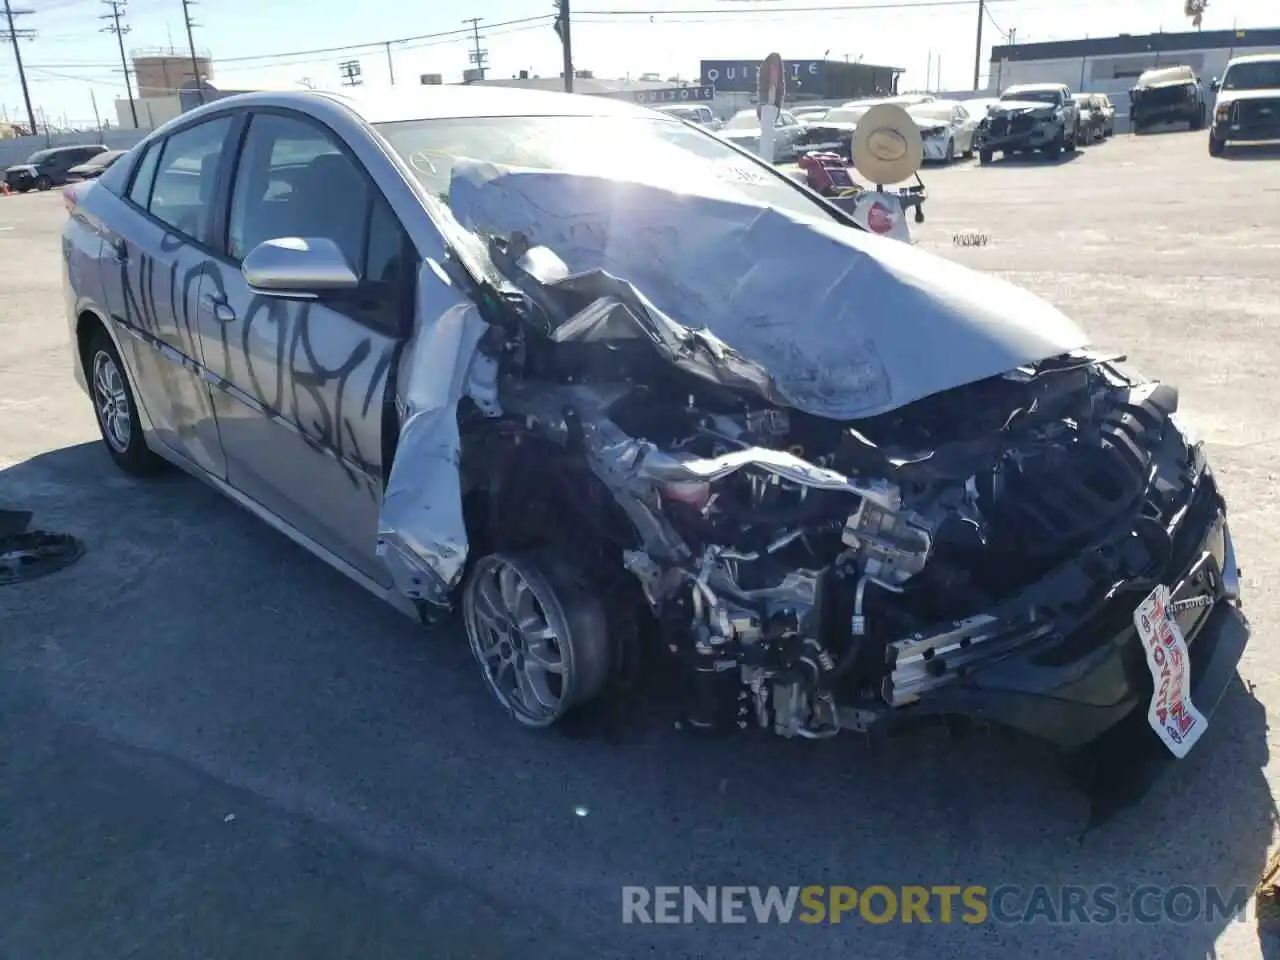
[(1194, 9)]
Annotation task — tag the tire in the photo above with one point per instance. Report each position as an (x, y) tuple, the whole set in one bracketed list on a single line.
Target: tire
[(1072, 143), (110, 390), (1197, 122), (1216, 147), (43, 182), (1051, 150), (985, 156), (538, 632), (951, 151)]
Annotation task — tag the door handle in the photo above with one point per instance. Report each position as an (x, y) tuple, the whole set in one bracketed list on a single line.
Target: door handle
[(222, 311), (120, 251)]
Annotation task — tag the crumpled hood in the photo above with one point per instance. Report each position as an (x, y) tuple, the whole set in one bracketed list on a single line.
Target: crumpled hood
[(21, 168), (1015, 107), (847, 324)]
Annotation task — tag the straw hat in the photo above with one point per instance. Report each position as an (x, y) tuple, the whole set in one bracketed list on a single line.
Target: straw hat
[(887, 147)]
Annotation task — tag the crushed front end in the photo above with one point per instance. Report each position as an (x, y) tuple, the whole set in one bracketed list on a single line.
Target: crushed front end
[(978, 549)]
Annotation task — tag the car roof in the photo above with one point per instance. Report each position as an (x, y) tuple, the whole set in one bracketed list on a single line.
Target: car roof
[(389, 105), (1020, 87)]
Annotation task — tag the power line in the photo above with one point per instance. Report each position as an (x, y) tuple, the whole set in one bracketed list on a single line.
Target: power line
[(737, 11), (117, 8), (14, 36)]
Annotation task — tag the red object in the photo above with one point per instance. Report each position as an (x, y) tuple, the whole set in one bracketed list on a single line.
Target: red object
[(880, 218), (771, 84), (826, 173)]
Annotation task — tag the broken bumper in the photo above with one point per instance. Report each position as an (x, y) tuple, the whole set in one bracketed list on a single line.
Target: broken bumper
[(1031, 138), (1071, 689)]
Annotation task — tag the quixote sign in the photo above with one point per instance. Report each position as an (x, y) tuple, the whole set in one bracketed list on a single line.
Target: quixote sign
[(701, 94), (743, 76)]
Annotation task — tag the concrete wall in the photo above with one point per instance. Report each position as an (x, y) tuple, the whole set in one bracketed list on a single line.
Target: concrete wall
[(17, 149), (152, 111), (162, 75)]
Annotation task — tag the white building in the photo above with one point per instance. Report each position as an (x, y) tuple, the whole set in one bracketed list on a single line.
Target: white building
[(1110, 65)]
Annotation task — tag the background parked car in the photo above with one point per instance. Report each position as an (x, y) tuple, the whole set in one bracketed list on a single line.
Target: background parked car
[(1092, 119), (1248, 105), (94, 167), (947, 128), (1033, 116), (1167, 94), (48, 168), (743, 130), (810, 114), (700, 115), (1108, 110)]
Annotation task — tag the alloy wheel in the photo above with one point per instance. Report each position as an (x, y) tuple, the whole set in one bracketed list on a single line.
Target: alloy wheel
[(111, 401)]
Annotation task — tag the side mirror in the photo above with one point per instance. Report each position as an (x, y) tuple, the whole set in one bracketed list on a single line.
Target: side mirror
[(298, 268), (1215, 84)]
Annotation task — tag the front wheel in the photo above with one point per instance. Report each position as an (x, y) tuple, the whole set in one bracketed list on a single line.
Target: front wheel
[(1217, 147), (43, 182), (538, 632), (985, 156), (1070, 144), (117, 410)]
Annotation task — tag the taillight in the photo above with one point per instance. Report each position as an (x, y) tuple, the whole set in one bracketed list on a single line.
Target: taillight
[(69, 197)]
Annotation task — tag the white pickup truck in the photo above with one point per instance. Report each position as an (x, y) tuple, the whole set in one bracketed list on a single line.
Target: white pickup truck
[(1248, 104)]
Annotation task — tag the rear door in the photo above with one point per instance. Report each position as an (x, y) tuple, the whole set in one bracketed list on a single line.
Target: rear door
[(306, 417), (157, 257)]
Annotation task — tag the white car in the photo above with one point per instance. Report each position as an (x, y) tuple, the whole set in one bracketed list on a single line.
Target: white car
[(947, 128), (743, 130), (698, 115)]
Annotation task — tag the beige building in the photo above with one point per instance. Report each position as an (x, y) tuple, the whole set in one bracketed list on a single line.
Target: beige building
[(158, 76)]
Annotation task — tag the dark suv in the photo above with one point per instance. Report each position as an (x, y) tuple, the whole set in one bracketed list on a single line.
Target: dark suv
[(45, 169), (1167, 94)]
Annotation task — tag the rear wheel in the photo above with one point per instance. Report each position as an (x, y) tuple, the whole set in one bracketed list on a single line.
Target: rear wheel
[(43, 182), (985, 156), (116, 409)]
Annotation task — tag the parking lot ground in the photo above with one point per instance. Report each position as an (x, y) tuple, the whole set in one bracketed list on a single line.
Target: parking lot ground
[(214, 746)]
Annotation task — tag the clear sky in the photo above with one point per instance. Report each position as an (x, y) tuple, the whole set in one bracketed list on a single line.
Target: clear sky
[(255, 42)]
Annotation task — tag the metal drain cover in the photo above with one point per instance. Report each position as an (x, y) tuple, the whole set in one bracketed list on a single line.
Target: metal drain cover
[(34, 554)]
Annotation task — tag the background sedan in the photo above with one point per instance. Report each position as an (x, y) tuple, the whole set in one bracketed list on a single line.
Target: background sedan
[(947, 128), (743, 130)]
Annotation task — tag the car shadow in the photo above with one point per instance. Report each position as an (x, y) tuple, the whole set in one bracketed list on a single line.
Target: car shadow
[(195, 632), (1036, 159)]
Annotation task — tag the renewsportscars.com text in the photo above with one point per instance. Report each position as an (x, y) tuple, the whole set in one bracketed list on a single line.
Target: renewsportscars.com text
[(943, 903)]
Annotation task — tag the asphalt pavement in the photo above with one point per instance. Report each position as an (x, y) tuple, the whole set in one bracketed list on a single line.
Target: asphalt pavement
[(212, 745)]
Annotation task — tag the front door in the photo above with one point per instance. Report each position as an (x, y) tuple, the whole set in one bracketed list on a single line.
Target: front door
[(158, 263), (306, 411)]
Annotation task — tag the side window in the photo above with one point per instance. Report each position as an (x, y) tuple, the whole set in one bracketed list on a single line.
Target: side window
[(145, 175), (186, 175), (292, 180)]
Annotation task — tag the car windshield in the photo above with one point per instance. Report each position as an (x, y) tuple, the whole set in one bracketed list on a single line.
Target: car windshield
[(1258, 75), (682, 113), (642, 148), (1035, 96), (939, 112), (102, 159), (846, 114)]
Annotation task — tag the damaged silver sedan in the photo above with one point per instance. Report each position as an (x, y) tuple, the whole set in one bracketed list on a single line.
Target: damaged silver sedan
[(622, 393)]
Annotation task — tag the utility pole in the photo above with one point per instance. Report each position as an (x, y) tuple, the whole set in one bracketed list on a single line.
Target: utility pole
[(14, 36), (478, 56), (391, 67), (117, 8), (191, 45), (563, 31), (977, 56), (97, 117)]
